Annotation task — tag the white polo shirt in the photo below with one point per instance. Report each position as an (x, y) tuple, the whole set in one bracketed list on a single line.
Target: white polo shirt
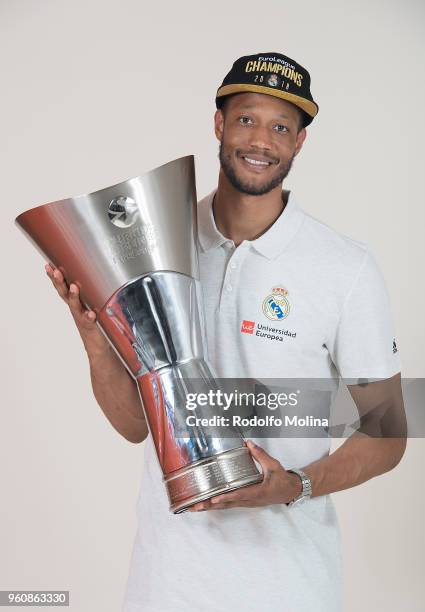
[(300, 301)]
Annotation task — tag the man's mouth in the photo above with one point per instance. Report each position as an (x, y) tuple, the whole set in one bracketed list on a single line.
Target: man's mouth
[(256, 161)]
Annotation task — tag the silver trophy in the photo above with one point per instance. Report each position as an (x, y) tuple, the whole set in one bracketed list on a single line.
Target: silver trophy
[(131, 249)]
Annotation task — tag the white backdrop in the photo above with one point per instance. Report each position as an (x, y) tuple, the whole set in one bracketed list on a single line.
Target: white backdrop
[(93, 92)]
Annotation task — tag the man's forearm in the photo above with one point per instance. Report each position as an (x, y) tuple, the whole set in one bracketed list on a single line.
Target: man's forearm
[(117, 395), (354, 462)]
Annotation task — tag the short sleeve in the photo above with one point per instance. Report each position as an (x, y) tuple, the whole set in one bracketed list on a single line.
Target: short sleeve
[(363, 344)]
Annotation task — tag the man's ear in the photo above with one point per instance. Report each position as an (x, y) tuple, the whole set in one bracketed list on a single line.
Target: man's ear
[(301, 136), (219, 124)]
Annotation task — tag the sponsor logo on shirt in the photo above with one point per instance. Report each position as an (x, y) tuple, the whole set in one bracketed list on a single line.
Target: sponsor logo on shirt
[(276, 305), (265, 331), (247, 327), (395, 349)]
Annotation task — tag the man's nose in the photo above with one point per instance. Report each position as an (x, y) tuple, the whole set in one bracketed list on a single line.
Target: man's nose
[(260, 137)]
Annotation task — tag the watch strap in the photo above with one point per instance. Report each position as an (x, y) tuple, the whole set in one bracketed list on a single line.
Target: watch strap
[(306, 486)]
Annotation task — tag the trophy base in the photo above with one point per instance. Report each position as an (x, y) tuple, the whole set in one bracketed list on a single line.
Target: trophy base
[(217, 474)]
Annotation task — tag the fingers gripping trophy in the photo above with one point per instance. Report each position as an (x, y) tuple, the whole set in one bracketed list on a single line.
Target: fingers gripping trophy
[(131, 251)]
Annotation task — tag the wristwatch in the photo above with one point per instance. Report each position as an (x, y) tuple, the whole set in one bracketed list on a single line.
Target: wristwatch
[(306, 490)]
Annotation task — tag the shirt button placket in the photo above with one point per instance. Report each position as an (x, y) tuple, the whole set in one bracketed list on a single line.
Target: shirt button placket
[(231, 273)]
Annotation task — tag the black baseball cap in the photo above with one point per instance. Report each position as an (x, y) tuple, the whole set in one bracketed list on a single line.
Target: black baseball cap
[(273, 74)]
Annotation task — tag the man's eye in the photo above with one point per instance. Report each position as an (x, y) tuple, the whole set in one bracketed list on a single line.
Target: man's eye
[(244, 120), (281, 128)]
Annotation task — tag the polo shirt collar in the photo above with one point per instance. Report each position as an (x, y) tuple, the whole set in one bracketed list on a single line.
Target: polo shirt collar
[(270, 244), (208, 234)]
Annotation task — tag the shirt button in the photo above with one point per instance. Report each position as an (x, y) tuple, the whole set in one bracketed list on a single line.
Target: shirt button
[(229, 288), (233, 265)]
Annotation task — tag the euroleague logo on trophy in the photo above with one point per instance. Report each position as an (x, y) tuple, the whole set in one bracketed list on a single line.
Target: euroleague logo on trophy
[(123, 211)]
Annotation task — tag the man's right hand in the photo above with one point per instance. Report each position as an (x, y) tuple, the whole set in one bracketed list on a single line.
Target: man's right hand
[(114, 388), (85, 319)]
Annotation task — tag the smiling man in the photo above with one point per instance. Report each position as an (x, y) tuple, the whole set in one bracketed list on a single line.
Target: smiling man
[(285, 297)]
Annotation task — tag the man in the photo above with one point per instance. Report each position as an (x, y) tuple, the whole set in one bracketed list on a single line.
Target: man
[(265, 265)]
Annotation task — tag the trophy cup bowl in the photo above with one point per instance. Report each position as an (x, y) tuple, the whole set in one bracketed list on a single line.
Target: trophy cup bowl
[(131, 249)]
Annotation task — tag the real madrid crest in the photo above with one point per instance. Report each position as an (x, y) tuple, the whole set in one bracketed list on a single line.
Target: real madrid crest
[(276, 305), (273, 80)]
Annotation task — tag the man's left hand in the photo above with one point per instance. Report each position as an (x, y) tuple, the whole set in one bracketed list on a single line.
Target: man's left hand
[(277, 487)]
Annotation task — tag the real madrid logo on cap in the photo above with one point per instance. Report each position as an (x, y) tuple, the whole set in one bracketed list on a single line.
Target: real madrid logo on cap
[(276, 305), (273, 80)]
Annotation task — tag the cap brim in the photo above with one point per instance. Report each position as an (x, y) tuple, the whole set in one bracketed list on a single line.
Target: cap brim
[(310, 108)]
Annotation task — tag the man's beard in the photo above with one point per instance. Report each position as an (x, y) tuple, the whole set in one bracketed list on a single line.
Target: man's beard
[(250, 188)]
